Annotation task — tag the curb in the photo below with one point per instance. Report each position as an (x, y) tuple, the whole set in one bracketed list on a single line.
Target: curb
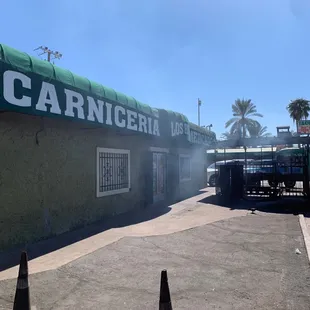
[(304, 229)]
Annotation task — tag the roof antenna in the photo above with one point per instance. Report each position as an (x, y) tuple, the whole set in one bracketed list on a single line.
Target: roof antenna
[(50, 53)]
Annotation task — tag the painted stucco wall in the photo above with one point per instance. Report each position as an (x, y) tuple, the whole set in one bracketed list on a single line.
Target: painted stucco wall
[(50, 188), (191, 187), (48, 176)]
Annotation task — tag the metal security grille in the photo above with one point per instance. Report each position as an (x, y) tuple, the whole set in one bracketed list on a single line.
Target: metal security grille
[(113, 171)]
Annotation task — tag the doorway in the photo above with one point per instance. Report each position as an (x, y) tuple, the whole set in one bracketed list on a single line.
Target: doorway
[(159, 176)]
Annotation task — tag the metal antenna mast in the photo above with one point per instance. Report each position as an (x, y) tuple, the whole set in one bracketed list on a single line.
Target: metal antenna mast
[(51, 55)]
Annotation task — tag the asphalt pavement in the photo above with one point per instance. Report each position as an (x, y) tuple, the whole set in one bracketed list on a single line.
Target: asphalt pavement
[(246, 262)]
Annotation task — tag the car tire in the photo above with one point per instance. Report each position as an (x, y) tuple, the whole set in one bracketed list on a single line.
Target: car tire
[(212, 180), (272, 183), (289, 184)]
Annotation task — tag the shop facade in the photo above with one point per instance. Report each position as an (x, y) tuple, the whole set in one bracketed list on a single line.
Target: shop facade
[(74, 151)]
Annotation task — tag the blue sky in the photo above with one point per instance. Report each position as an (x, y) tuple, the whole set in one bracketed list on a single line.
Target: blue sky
[(167, 53)]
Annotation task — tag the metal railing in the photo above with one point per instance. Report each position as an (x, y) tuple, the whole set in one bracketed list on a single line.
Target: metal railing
[(275, 179)]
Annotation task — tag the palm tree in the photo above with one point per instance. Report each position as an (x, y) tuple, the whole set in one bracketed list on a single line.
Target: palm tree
[(225, 135), (228, 135), (256, 130), (243, 110), (298, 109)]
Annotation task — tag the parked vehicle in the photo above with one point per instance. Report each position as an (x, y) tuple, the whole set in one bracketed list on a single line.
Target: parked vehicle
[(290, 165), (277, 171), (260, 170), (212, 170)]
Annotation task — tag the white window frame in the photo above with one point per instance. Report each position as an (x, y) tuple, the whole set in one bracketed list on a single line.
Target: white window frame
[(190, 167), (158, 149), (117, 191)]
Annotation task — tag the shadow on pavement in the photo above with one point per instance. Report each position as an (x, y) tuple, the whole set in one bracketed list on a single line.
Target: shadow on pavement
[(10, 258), (290, 205)]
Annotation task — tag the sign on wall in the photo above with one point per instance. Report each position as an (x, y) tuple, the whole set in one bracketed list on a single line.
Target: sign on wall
[(304, 127), (191, 135), (29, 93)]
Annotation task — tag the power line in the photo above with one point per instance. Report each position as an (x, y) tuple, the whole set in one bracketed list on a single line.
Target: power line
[(51, 55)]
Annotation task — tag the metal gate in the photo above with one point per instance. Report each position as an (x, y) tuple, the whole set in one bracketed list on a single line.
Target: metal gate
[(283, 173), (286, 175)]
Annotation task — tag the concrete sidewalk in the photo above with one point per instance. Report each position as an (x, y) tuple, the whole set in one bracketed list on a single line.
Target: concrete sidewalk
[(182, 216), (239, 263)]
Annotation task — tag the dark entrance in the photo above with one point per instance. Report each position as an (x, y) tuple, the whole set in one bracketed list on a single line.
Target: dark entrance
[(159, 176)]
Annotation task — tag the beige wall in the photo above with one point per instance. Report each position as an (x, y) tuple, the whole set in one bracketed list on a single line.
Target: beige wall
[(50, 188)]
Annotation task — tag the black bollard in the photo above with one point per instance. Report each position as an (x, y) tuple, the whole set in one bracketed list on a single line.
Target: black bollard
[(22, 299), (164, 297)]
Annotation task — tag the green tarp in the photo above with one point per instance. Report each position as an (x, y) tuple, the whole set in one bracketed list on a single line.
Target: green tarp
[(47, 72), (26, 63)]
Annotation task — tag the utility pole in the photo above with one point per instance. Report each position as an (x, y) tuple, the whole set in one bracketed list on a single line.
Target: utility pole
[(199, 104), (50, 53)]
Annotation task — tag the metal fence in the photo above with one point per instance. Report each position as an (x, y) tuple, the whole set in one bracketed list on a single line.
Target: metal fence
[(276, 179), (263, 179)]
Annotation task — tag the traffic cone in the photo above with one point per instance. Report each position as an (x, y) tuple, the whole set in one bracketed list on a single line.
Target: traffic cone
[(164, 297), (22, 299)]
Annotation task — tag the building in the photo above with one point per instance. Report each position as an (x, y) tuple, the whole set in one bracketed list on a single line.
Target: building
[(74, 151)]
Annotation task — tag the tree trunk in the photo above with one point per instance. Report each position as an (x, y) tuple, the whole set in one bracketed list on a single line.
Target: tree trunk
[(297, 123), (243, 131)]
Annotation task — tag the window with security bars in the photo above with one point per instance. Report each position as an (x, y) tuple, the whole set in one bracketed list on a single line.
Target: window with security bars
[(113, 171)]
